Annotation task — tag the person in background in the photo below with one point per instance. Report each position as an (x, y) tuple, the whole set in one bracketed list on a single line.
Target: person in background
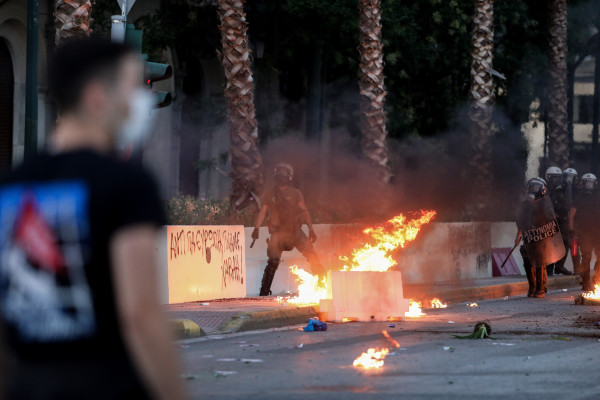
[(78, 275), (286, 211), (557, 190), (538, 228), (584, 221)]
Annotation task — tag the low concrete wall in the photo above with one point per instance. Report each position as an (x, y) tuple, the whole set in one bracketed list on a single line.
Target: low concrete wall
[(442, 252)]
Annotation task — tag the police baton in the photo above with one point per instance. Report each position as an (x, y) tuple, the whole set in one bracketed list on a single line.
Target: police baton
[(509, 254), (252, 244)]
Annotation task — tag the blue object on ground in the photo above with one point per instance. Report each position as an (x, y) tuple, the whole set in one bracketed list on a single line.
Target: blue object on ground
[(315, 325), (392, 326)]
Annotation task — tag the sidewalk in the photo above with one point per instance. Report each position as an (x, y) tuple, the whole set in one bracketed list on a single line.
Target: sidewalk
[(235, 315)]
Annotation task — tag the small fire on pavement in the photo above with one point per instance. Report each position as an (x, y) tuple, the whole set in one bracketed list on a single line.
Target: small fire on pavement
[(472, 305), (414, 310), (591, 298), (437, 303), (391, 339), (372, 359)]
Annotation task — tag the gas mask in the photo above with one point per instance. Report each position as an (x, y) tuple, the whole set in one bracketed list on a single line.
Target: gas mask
[(135, 128), (536, 188)]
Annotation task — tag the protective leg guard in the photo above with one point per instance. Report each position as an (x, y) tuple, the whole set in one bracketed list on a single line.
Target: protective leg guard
[(541, 278), (530, 273), (268, 275)]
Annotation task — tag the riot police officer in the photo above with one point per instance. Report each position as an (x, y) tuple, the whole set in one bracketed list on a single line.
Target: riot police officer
[(286, 210), (584, 219), (543, 245), (557, 190)]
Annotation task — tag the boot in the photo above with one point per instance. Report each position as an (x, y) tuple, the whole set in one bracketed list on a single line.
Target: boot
[(267, 279), (562, 270), (530, 274), (541, 278)]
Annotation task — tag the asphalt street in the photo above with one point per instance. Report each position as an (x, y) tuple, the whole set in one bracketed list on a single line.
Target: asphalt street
[(544, 348)]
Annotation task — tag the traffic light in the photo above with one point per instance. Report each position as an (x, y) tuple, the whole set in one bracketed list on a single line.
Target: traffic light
[(153, 72)]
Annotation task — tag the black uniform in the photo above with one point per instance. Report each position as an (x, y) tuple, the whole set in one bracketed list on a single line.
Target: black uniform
[(588, 232), (561, 209), (542, 242)]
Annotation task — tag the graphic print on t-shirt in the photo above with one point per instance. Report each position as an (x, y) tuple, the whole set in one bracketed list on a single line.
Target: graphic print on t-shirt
[(44, 245)]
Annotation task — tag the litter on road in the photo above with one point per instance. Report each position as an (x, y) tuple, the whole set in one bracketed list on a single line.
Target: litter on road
[(224, 373), (315, 325)]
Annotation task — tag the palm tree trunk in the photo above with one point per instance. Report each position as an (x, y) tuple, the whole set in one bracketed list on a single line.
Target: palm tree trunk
[(72, 19), (558, 124), (481, 103), (246, 162), (372, 91)]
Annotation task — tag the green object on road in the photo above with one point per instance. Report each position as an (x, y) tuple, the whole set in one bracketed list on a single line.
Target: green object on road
[(482, 330)]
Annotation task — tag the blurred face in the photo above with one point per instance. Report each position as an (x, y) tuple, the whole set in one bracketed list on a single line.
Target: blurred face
[(121, 94)]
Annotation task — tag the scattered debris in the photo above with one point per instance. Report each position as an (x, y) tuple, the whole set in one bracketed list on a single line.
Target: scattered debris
[(503, 344), (249, 345), (189, 377), (315, 325), (226, 359), (251, 360), (219, 374), (472, 305), (448, 348), (482, 330), (204, 304), (391, 339), (564, 290), (450, 322), (183, 346), (392, 325), (505, 298)]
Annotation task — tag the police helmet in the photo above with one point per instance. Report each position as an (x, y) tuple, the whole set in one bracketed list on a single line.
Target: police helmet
[(589, 182), (554, 176), (536, 188), (570, 175)]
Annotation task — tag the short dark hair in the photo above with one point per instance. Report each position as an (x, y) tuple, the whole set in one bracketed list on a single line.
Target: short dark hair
[(79, 61)]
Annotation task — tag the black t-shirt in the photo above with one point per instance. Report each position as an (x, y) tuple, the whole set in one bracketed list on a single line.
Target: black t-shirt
[(57, 216)]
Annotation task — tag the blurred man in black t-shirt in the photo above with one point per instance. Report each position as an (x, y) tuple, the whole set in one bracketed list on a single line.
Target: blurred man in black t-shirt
[(78, 302)]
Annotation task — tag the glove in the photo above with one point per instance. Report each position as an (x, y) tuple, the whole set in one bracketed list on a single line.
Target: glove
[(254, 234), (312, 236)]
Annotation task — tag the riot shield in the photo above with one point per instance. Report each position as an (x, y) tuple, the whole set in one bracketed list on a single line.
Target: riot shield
[(541, 233)]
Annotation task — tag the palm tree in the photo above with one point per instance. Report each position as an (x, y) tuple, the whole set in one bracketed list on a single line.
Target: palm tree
[(246, 162), (558, 120), (481, 101), (372, 91), (72, 19)]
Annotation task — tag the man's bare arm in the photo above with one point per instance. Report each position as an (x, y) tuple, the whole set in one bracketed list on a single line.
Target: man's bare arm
[(305, 214), (261, 216), (144, 325)]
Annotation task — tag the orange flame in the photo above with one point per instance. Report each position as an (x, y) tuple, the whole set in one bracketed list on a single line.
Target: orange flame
[(371, 359), (437, 303), (310, 290), (395, 233), (593, 295), (414, 309)]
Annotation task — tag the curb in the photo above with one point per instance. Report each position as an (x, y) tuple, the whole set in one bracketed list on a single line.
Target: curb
[(186, 329), (268, 319), (460, 295)]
